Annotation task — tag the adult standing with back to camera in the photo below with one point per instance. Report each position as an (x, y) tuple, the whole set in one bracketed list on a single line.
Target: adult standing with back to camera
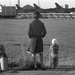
[(36, 32)]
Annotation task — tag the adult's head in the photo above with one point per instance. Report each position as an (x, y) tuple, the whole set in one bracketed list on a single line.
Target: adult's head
[(36, 15)]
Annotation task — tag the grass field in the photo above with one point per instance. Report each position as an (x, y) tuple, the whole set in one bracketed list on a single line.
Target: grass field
[(13, 34)]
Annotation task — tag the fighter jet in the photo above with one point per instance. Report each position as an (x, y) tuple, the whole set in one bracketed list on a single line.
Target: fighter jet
[(25, 9), (41, 10), (60, 9), (19, 9)]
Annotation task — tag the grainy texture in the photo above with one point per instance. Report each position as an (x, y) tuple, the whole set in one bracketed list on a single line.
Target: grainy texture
[(13, 33)]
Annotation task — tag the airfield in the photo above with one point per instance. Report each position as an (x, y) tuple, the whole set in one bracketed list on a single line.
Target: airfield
[(46, 15), (13, 35)]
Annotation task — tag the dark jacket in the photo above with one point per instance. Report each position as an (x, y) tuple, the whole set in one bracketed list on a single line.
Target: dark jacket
[(36, 30), (55, 48)]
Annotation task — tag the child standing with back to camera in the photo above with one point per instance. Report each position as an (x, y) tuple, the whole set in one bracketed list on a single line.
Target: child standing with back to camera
[(36, 33), (53, 56)]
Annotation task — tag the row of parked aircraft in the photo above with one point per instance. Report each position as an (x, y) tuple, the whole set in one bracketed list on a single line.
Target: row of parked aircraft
[(57, 9)]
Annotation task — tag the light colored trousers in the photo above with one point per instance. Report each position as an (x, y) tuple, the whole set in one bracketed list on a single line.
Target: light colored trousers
[(51, 60)]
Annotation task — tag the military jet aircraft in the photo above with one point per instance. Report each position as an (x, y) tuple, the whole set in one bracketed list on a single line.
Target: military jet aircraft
[(57, 9), (25, 9), (41, 10), (60, 9)]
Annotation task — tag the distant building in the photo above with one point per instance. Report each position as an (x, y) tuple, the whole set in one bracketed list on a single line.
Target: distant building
[(66, 6), (28, 8)]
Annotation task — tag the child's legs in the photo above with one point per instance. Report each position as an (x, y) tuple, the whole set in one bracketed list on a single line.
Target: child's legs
[(55, 62), (41, 58)]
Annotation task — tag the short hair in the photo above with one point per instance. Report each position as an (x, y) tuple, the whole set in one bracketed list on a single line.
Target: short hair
[(37, 14), (54, 41)]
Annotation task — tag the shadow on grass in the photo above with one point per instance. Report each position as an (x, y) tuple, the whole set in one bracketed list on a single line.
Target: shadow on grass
[(47, 69), (28, 65)]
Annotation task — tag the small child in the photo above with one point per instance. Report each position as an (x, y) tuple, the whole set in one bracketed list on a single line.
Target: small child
[(53, 56)]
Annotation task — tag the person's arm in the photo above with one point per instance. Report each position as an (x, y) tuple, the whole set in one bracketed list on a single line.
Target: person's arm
[(58, 49), (43, 31), (30, 31), (50, 49)]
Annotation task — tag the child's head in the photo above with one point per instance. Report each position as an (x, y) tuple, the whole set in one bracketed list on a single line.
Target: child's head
[(54, 41), (36, 15)]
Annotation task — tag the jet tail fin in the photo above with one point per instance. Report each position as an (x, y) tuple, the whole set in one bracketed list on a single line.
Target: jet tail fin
[(18, 7), (36, 7), (58, 6)]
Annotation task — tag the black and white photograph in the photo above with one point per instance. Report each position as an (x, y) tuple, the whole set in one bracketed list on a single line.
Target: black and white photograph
[(37, 37)]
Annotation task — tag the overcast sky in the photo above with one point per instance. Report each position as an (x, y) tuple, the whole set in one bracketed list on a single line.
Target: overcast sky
[(43, 3)]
